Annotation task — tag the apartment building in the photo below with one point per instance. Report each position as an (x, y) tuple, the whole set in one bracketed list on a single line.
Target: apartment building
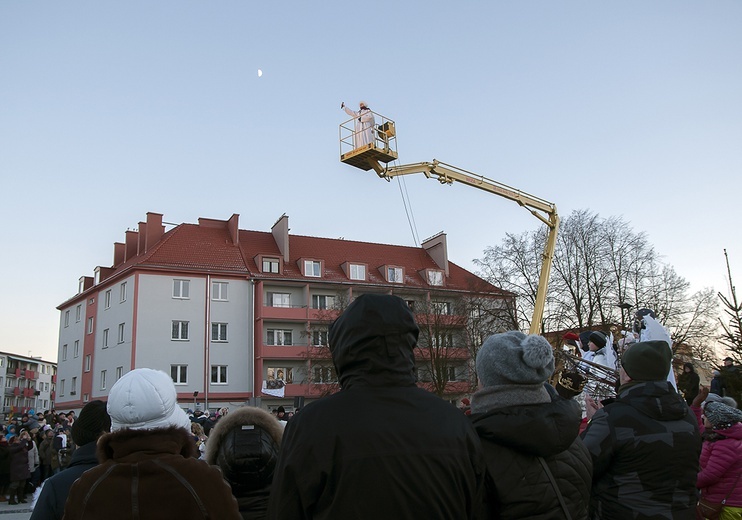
[(28, 383), (240, 317)]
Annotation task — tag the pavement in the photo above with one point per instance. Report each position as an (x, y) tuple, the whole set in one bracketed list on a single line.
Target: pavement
[(17, 512)]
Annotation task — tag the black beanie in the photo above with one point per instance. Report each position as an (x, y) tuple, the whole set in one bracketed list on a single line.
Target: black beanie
[(598, 338), (93, 421), (647, 360)]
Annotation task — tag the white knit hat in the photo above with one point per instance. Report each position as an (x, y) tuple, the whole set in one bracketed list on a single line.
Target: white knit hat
[(145, 399)]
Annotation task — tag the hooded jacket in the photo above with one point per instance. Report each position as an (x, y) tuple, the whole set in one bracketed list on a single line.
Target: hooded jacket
[(244, 445), (645, 447), (721, 464), (150, 474), (381, 447), (513, 438)]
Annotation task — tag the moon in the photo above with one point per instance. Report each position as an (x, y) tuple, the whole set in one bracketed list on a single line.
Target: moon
[(260, 72)]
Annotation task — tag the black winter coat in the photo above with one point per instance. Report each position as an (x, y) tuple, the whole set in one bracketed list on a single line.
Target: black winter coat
[(513, 438), (50, 504), (645, 448), (381, 448)]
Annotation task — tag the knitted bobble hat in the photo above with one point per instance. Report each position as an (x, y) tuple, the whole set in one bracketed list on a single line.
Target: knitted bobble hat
[(514, 358), (721, 416)]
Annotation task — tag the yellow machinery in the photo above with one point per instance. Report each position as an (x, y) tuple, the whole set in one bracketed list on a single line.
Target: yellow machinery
[(370, 156)]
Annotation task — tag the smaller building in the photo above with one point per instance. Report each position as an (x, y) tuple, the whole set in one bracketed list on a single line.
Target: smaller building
[(28, 383)]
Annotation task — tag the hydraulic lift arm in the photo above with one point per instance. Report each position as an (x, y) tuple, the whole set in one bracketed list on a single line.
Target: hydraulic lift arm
[(543, 210)]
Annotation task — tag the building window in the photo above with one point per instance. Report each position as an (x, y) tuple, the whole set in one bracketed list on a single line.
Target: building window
[(394, 275), (102, 379), (283, 374), (64, 352), (218, 332), (312, 268), (219, 374), (179, 373), (119, 372), (61, 387), (181, 288), (87, 363), (323, 375), (357, 272), (105, 338), (121, 333), (73, 386), (319, 338), (219, 291), (107, 299), (77, 348), (90, 325), (180, 330), (442, 308), (451, 372), (279, 299), (122, 291), (435, 277), (91, 301), (66, 318), (271, 265), (321, 301), (279, 337), (85, 398), (78, 313), (443, 340)]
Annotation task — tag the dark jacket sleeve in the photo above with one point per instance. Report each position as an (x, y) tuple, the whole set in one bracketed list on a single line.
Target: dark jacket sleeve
[(46, 507)]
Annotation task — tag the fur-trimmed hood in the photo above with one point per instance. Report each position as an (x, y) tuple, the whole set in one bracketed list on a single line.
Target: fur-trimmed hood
[(130, 445), (246, 415)]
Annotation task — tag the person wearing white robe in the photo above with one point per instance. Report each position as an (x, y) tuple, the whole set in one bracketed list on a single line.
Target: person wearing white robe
[(364, 124)]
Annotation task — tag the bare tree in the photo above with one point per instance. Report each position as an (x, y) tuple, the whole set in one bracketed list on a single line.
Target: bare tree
[(601, 269)]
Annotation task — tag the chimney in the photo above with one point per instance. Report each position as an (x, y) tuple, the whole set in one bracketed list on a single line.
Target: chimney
[(142, 238), (280, 232), (154, 230), (233, 225), (119, 253), (437, 248), (132, 240)]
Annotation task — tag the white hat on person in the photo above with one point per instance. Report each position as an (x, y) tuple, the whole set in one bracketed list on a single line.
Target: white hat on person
[(145, 399)]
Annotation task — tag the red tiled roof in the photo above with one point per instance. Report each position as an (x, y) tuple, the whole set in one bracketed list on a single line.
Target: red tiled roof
[(198, 247)]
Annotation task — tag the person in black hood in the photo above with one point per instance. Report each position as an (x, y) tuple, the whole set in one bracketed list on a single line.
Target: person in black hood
[(380, 447), (535, 460)]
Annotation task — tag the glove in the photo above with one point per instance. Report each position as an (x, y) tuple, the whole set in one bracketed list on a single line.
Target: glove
[(701, 397)]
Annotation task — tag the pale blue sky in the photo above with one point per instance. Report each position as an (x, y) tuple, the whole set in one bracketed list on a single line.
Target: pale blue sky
[(111, 109)]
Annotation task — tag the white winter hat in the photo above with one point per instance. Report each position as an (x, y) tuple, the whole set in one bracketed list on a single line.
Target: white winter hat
[(144, 399)]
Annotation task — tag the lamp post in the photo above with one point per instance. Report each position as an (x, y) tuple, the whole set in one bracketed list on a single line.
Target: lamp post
[(624, 307), (195, 395)]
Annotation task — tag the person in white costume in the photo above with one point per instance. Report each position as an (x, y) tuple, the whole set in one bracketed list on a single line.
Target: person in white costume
[(364, 124)]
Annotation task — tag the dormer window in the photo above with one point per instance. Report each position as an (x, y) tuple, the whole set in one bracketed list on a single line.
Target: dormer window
[(271, 265), (312, 268), (395, 275), (435, 277), (357, 272)]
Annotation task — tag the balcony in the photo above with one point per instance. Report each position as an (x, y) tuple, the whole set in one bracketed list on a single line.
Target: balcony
[(284, 351), (54, 378), (30, 374), (16, 391), (29, 392), (284, 313)]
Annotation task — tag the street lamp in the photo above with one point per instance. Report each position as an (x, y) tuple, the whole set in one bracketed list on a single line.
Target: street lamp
[(195, 395)]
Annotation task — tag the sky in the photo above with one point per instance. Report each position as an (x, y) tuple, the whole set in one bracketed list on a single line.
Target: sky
[(112, 109)]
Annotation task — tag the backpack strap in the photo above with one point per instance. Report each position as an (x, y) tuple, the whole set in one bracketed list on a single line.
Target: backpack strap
[(556, 488)]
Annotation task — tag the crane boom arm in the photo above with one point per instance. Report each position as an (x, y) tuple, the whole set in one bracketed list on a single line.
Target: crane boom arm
[(543, 210)]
